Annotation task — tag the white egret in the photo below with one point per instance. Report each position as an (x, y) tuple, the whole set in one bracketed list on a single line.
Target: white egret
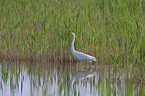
[(79, 55)]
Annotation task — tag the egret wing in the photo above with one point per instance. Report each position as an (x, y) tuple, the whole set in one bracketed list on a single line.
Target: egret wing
[(84, 57)]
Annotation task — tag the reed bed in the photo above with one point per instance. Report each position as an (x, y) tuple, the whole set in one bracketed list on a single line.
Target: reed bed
[(112, 31)]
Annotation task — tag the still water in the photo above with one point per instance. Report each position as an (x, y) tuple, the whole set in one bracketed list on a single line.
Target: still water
[(43, 79)]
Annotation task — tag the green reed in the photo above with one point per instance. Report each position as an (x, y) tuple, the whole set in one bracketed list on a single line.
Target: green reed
[(110, 30)]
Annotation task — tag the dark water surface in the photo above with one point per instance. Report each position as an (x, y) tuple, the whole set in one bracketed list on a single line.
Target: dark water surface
[(43, 79)]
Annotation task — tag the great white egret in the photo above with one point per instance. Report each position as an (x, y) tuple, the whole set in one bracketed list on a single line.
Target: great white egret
[(79, 55)]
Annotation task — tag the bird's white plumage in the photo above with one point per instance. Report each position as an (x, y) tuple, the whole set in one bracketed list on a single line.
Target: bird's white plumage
[(79, 55), (83, 57)]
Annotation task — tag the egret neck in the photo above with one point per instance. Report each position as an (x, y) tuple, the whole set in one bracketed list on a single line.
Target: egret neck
[(72, 44)]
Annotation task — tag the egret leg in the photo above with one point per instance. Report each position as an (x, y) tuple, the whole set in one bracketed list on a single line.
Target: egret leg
[(82, 66)]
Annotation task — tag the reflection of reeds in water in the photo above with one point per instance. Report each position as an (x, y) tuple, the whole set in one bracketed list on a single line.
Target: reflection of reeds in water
[(53, 80)]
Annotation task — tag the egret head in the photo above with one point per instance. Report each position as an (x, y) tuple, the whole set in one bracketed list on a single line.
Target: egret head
[(70, 33)]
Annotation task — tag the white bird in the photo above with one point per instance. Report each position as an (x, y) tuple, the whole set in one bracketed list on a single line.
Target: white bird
[(79, 55)]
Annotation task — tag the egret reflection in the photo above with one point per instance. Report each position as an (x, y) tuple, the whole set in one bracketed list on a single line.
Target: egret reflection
[(80, 75)]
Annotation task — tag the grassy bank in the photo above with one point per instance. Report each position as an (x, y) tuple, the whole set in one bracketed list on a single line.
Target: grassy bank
[(112, 31)]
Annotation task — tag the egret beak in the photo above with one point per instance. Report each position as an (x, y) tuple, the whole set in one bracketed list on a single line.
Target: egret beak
[(68, 33)]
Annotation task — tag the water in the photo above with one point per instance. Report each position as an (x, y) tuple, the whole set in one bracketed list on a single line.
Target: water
[(43, 79)]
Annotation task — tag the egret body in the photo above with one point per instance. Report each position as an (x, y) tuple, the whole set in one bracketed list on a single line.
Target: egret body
[(79, 55)]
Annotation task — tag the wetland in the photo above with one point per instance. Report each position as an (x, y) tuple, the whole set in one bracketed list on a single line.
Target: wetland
[(43, 79)]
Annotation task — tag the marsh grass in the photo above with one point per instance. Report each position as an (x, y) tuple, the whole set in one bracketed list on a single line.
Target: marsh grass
[(112, 31)]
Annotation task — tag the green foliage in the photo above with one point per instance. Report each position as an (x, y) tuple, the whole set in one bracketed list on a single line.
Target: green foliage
[(103, 28)]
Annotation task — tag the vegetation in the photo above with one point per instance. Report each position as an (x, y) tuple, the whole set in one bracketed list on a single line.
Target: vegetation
[(107, 29), (111, 30)]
